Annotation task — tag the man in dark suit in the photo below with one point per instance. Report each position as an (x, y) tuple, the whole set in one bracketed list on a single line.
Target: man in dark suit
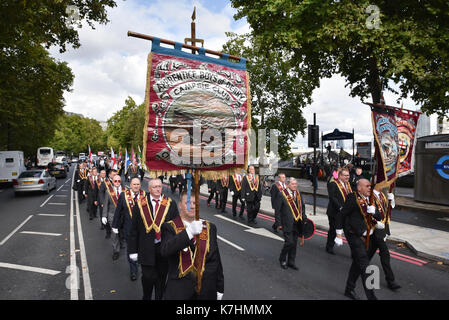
[(358, 221), (173, 183), (110, 201), (123, 217), (102, 197), (80, 177), (252, 194), (338, 191), (178, 246), (223, 186), (213, 191), (235, 186), (145, 238), (276, 190), (290, 214), (91, 193)]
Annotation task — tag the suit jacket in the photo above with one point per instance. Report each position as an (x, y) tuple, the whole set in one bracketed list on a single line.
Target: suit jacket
[(232, 186), (212, 185), (336, 201), (91, 192), (122, 219), (109, 207), (140, 241), (351, 218), (220, 188), (247, 194), (284, 215), (184, 288)]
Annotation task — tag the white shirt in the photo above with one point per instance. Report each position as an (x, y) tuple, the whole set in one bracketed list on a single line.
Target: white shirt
[(153, 205), (133, 195)]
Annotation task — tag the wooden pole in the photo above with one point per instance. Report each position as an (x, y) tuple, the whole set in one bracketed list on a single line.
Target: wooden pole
[(187, 46), (197, 217)]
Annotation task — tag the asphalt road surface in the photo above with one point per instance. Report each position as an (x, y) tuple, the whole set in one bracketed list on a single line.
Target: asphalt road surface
[(50, 250)]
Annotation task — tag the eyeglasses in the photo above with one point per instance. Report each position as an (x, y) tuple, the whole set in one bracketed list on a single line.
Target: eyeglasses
[(117, 180)]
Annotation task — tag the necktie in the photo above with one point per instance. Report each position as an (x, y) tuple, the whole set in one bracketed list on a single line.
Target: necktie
[(118, 193), (135, 197), (158, 234)]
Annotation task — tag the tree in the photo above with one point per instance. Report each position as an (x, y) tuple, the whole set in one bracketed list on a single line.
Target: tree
[(278, 89), (372, 44)]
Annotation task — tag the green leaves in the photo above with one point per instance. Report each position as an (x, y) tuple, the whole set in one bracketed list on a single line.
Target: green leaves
[(409, 46)]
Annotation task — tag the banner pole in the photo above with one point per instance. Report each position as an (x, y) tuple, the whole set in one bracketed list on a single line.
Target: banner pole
[(197, 217)]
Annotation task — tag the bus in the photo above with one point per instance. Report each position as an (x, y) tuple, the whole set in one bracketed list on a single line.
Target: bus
[(59, 156), (45, 155), (81, 156), (12, 164)]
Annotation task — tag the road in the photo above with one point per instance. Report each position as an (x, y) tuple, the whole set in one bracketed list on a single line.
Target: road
[(45, 237)]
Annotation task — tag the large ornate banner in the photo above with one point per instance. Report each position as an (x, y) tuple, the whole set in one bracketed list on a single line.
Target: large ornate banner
[(406, 122), (386, 144), (197, 113)]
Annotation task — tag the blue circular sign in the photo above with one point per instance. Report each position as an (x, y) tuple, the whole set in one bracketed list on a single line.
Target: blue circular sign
[(441, 167)]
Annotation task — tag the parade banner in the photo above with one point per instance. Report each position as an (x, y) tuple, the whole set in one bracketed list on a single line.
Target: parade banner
[(197, 113), (386, 145), (406, 123)]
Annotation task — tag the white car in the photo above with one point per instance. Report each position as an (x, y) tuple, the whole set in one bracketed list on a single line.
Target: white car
[(34, 180)]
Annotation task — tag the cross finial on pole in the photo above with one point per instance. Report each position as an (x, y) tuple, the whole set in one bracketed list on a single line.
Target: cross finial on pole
[(193, 38)]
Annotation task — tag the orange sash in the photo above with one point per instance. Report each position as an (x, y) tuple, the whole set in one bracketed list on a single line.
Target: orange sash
[(382, 205), (237, 183), (130, 201), (225, 182), (111, 192), (147, 218), (188, 261), (251, 184), (296, 210), (344, 191)]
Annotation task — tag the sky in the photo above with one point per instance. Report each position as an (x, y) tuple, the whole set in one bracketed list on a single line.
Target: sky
[(110, 66)]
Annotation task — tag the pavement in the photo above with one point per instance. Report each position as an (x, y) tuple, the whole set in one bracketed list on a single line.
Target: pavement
[(424, 242)]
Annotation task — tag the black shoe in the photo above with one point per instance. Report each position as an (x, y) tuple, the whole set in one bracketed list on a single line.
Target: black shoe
[(241, 216), (234, 215), (208, 203), (102, 227), (133, 277), (283, 265), (115, 256), (393, 286), (351, 294), (330, 251), (293, 266), (108, 236), (223, 210), (275, 229), (90, 218)]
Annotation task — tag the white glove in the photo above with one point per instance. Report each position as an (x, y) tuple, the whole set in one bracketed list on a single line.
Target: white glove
[(380, 225), (232, 193), (339, 231), (371, 209), (194, 228), (386, 236), (370, 233), (115, 230), (133, 256), (338, 241), (390, 196), (219, 295), (104, 220)]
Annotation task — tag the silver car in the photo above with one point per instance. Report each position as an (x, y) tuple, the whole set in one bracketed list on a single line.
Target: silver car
[(34, 180)]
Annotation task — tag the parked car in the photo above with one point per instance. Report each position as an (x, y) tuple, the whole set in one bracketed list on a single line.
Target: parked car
[(34, 180), (57, 170)]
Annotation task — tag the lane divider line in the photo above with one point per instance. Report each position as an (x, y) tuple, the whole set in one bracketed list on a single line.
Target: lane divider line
[(43, 204), (15, 230), (41, 233), (230, 243), (28, 268)]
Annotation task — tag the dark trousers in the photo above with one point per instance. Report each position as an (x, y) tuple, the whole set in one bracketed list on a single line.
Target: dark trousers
[(235, 197), (360, 261), (92, 209), (331, 234), (288, 252), (211, 195), (154, 276), (223, 199), (252, 209), (384, 253), (172, 185)]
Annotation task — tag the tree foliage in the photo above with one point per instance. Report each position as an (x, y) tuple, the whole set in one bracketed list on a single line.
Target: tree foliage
[(125, 127), (278, 89), (409, 46)]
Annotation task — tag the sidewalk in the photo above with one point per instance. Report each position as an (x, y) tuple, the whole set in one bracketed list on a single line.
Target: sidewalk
[(424, 242)]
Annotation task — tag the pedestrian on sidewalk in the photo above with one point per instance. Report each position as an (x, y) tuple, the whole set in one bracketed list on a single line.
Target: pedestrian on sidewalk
[(338, 190), (252, 194), (290, 215)]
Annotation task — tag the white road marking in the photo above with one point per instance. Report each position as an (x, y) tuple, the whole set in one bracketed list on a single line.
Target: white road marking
[(233, 221), (60, 195), (51, 215), (58, 203), (42, 233), (230, 243), (61, 187), (28, 268), (15, 230), (259, 231), (84, 266), (74, 274), (46, 200)]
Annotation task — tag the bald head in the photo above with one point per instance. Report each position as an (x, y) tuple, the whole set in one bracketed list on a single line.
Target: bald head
[(364, 187)]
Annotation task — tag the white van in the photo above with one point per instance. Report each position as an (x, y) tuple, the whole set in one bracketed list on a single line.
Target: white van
[(45, 155), (12, 164), (59, 156)]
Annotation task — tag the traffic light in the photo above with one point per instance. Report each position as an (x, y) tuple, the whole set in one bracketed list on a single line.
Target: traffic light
[(313, 135)]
